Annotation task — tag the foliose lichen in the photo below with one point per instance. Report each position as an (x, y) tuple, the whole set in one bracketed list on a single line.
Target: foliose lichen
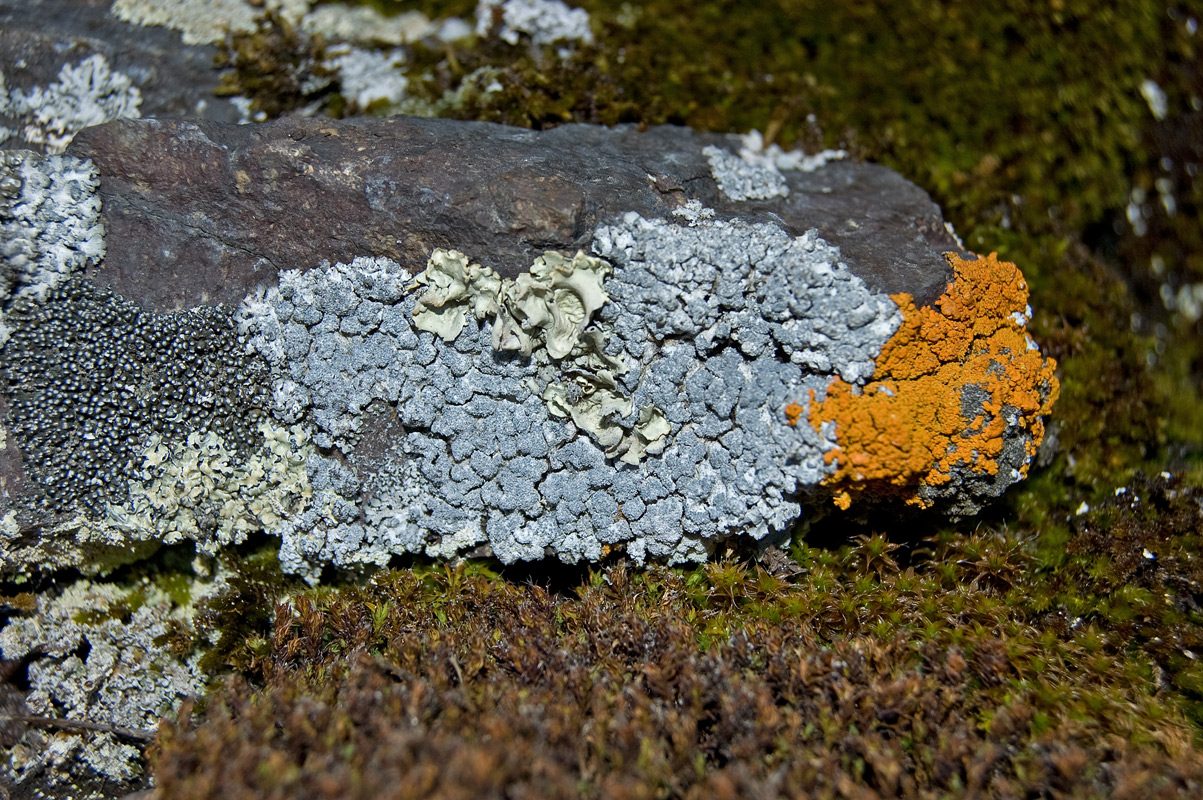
[(957, 397), (756, 172), (96, 656), (49, 224), (648, 396), (543, 21), (552, 415), (87, 93)]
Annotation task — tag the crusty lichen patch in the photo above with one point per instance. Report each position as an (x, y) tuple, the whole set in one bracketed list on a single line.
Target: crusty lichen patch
[(200, 489), (947, 387)]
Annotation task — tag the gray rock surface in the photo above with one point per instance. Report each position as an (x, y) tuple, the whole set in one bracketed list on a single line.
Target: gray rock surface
[(200, 212)]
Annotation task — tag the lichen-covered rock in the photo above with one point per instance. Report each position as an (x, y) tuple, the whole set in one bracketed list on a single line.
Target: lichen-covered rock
[(87, 93), (97, 656), (658, 372)]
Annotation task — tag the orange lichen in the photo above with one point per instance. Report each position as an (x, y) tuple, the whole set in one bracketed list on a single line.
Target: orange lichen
[(793, 412), (966, 354)]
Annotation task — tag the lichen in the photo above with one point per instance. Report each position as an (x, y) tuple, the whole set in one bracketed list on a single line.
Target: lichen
[(50, 224), (205, 21), (953, 390), (96, 656), (87, 93), (541, 21), (745, 179), (201, 490), (583, 438)]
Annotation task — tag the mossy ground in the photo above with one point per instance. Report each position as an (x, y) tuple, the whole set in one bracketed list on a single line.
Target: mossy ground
[(1042, 650)]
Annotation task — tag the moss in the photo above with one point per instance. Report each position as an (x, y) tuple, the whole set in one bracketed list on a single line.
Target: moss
[(239, 619), (858, 672), (276, 67)]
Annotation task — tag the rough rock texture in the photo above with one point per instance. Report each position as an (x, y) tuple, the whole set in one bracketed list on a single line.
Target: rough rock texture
[(199, 212), (373, 338)]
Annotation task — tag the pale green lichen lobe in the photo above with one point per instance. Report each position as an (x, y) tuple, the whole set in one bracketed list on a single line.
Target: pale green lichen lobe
[(550, 305), (547, 308)]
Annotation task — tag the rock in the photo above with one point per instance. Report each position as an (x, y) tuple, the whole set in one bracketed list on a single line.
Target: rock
[(373, 337), (99, 68)]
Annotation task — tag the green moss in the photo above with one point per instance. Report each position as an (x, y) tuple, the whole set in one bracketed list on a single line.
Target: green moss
[(277, 67), (238, 620)]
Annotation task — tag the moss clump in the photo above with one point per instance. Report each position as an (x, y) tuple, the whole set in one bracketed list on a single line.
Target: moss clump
[(728, 680), (238, 620), (276, 67)]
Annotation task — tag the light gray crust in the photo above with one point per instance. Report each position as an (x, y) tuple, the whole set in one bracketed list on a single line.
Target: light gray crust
[(99, 659), (741, 179), (720, 325), (86, 93), (49, 222)]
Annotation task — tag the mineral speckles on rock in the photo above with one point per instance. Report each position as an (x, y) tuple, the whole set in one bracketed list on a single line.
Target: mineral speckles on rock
[(91, 376)]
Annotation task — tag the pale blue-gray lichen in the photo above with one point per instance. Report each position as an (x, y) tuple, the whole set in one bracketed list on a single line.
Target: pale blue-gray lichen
[(717, 326), (632, 397), (99, 660), (85, 94)]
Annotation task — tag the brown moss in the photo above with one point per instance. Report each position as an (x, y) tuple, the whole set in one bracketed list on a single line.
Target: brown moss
[(726, 682), (908, 426)]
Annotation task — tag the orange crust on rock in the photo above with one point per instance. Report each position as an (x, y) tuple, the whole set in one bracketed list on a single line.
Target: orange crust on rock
[(906, 427)]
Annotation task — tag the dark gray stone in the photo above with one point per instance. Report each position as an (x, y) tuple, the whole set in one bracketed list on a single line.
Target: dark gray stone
[(201, 212)]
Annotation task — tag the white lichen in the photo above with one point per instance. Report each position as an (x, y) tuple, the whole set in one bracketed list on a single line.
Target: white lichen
[(205, 21), (369, 78), (753, 151), (85, 94), (49, 222), (339, 22), (101, 660), (543, 21)]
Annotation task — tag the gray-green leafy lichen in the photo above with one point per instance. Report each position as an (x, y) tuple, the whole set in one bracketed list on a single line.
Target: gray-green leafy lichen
[(96, 656)]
